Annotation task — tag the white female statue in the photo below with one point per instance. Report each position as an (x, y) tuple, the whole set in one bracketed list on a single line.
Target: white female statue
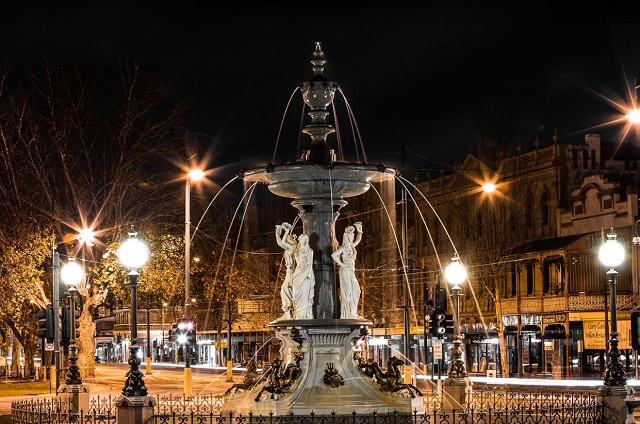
[(304, 280), (345, 257), (287, 240)]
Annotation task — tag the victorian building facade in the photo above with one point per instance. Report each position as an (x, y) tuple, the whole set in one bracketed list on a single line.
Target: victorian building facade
[(536, 299)]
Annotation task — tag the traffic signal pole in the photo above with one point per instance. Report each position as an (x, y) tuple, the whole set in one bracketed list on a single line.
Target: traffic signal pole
[(56, 319)]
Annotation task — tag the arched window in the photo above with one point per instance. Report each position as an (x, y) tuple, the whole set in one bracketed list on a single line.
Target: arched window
[(528, 214), (545, 207)]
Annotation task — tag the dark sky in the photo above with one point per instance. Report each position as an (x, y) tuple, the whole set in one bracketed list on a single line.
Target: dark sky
[(430, 75)]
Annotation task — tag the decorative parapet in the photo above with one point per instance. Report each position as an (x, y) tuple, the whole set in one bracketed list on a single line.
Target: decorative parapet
[(581, 302)]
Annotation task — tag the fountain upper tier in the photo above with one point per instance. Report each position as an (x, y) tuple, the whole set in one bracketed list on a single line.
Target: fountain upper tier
[(317, 174), (313, 180)]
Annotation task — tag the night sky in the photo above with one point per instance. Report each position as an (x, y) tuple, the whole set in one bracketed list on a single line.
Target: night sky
[(432, 75)]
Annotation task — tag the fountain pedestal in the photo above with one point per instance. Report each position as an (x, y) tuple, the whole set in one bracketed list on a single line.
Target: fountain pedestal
[(319, 352), (330, 380)]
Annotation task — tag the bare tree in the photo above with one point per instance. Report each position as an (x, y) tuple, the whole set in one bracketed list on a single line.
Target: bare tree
[(86, 148)]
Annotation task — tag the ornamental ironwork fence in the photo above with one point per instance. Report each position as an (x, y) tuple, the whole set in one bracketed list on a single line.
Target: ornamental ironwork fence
[(490, 406)]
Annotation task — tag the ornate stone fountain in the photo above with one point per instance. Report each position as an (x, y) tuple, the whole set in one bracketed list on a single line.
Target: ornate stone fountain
[(321, 367)]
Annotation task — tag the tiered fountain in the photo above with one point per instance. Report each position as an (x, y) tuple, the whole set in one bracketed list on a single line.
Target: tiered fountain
[(325, 373)]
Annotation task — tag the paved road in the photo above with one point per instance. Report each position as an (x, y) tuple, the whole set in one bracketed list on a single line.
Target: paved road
[(110, 379)]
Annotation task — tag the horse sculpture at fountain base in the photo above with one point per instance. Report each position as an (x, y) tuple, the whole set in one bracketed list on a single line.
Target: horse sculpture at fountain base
[(389, 381), (281, 379)]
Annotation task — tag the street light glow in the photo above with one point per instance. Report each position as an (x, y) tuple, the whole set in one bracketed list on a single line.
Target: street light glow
[(72, 273), (195, 174), (86, 236), (611, 253), (455, 273), (133, 253), (489, 187), (633, 116)]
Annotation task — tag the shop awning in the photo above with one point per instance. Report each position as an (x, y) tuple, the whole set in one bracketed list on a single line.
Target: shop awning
[(531, 328)]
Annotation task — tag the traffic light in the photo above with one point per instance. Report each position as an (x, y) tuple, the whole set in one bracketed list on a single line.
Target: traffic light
[(438, 329), (191, 333), (428, 322), (172, 332), (186, 332), (448, 323), (66, 324), (45, 323)]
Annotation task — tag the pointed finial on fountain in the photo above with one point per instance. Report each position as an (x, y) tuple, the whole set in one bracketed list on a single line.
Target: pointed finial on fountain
[(318, 94), (318, 62)]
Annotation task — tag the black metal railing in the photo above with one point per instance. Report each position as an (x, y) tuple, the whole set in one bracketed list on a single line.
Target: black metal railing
[(491, 406)]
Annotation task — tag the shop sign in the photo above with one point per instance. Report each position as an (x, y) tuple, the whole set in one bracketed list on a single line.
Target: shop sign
[(554, 319), (594, 335), (437, 349)]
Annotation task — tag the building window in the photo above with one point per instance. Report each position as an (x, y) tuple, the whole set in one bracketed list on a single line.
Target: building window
[(593, 159), (528, 217), (545, 208), (578, 209), (607, 204), (575, 158), (585, 159), (530, 279)]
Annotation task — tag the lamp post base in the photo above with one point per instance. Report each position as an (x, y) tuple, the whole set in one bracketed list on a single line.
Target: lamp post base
[(615, 408), (134, 409), (75, 395), (455, 393)]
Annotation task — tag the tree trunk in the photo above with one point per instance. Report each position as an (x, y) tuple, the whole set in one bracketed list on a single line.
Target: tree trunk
[(15, 356), (86, 345), (29, 351), (504, 364)]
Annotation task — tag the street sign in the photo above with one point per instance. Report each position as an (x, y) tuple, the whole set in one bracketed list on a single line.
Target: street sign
[(48, 346), (437, 349)]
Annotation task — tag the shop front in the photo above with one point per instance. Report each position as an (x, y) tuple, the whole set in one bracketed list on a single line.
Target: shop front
[(589, 357), (483, 354)]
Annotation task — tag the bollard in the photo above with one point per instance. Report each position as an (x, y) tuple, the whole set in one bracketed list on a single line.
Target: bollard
[(229, 370)]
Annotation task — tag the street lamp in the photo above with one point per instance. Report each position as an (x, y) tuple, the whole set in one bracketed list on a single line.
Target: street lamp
[(192, 175), (611, 254), (72, 274), (455, 274), (134, 254)]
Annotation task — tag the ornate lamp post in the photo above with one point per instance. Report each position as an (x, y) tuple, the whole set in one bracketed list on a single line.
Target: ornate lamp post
[(611, 254), (457, 385), (134, 254), (455, 274), (72, 274), (73, 391)]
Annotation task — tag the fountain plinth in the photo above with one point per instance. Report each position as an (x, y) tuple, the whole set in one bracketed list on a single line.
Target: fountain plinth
[(321, 365)]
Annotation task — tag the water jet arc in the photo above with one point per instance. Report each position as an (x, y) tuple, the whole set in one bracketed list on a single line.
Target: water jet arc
[(330, 379)]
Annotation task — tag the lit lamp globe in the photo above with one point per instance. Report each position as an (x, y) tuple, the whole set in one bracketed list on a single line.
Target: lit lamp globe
[(455, 273), (133, 253), (611, 253), (72, 273)]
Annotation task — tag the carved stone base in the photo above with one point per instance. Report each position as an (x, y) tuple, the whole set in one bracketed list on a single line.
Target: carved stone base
[(76, 395), (614, 399), (454, 393), (134, 409), (330, 380)]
